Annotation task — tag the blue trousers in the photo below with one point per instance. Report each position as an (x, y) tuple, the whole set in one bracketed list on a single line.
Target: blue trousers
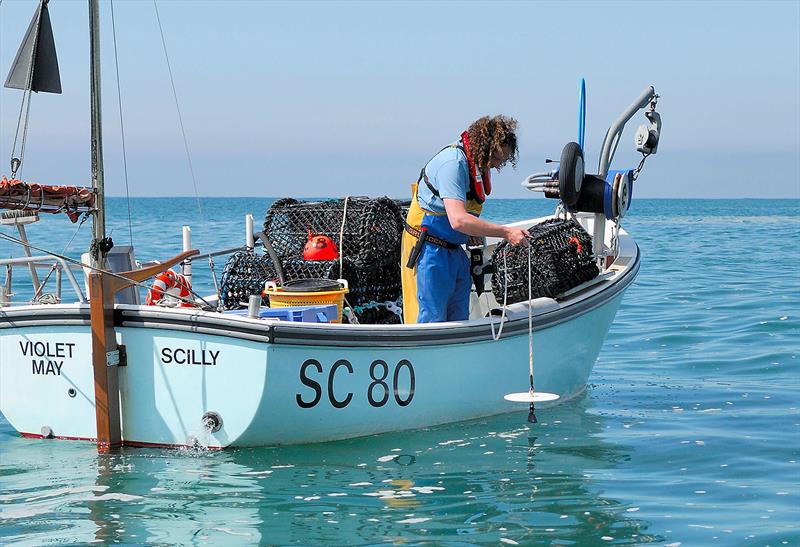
[(443, 284)]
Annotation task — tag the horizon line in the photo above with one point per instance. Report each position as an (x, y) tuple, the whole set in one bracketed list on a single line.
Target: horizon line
[(408, 198)]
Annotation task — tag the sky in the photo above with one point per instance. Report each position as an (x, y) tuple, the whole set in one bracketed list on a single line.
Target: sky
[(351, 98)]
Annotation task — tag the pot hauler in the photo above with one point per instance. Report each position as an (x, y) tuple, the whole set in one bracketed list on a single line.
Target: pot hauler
[(446, 202)]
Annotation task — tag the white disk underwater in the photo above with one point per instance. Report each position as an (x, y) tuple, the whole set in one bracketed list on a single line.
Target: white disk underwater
[(531, 397)]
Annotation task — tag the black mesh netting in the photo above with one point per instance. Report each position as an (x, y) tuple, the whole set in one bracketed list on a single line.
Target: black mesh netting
[(371, 252), (561, 258), (244, 274), (370, 236)]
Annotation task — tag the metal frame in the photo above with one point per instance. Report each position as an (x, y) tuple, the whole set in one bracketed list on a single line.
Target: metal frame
[(610, 142), (61, 266), (614, 132)]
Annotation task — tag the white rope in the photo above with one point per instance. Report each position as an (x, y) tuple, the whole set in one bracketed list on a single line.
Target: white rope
[(505, 300), (341, 237), (530, 318)]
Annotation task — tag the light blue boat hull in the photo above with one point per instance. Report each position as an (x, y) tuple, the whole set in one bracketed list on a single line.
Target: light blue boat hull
[(272, 382), (257, 389)]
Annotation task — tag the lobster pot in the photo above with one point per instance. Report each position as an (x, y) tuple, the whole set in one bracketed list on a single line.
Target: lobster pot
[(368, 233), (405, 206), (561, 258), (377, 316), (245, 274)]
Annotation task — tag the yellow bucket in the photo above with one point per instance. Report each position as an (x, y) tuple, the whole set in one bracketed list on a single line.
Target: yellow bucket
[(284, 297)]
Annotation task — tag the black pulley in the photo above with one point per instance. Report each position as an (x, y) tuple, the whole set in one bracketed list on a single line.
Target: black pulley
[(570, 173), (312, 285)]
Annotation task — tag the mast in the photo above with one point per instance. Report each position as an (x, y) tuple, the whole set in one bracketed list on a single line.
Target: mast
[(100, 246)]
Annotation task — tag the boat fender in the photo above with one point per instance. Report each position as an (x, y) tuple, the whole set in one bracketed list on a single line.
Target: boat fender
[(169, 283), (570, 173), (320, 247)]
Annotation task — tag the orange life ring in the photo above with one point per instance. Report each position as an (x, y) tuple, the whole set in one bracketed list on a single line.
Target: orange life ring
[(169, 283)]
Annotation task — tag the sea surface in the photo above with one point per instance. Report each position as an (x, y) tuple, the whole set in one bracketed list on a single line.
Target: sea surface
[(688, 433)]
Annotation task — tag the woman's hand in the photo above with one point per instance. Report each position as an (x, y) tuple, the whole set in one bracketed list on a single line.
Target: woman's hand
[(463, 222), (516, 236)]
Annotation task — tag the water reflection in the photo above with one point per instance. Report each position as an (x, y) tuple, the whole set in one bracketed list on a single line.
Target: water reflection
[(476, 482)]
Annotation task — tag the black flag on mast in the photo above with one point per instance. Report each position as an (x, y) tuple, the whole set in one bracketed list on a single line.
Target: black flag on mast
[(39, 50)]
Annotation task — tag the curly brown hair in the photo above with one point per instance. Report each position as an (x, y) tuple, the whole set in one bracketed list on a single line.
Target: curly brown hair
[(490, 135)]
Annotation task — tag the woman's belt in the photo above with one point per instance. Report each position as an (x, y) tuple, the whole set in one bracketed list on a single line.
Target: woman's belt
[(439, 242), (422, 237)]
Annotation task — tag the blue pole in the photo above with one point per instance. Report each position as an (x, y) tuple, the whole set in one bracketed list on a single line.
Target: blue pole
[(582, 115)]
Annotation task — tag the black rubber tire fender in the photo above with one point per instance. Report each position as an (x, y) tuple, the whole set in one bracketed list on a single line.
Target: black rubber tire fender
[(570, 173)]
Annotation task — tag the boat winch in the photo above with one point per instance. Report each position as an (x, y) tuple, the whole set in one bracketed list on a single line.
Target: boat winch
[(606, 193)]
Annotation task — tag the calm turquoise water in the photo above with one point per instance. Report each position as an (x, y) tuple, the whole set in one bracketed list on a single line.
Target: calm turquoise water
[(689, 432)]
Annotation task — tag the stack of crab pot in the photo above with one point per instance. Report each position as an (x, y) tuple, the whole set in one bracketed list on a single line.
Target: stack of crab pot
[(356, 238)]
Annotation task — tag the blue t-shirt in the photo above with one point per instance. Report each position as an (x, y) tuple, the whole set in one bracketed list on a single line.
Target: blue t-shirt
[(449, 173)]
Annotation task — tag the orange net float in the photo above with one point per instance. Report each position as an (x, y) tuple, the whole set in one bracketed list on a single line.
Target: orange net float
[(575, 241), (169, 284), (320, 247)]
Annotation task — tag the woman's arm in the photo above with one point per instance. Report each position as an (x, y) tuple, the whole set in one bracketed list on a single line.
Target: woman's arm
[(466, 223)]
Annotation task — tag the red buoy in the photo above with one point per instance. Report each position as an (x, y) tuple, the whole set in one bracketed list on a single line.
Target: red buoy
[(320, 247)]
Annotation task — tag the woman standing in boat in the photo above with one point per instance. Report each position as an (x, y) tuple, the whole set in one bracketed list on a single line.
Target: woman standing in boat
[(446, 202)]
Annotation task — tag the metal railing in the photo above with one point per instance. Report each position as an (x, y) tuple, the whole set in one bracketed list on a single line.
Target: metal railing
[(42, 261)]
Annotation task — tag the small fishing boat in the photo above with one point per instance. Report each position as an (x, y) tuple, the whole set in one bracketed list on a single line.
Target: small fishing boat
[(109, 369)]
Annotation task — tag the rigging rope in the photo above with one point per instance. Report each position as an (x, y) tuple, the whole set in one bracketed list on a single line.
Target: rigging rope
[(216, 285), (122, 126), (25, 105), (178, 108)]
